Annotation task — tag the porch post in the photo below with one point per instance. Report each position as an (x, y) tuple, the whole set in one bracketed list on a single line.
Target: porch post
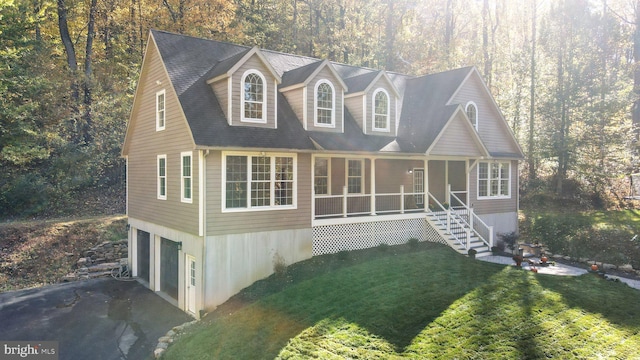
[(425, 184), (345, 190), (401, 199), (373, 186)]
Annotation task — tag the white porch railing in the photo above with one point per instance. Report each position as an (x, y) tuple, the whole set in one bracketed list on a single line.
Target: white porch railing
[(367, 204)]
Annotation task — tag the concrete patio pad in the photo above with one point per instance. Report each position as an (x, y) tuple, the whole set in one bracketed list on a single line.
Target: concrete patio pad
[(557, 269)]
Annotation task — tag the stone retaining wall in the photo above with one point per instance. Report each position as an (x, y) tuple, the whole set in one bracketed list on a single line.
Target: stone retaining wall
[(101, 260)]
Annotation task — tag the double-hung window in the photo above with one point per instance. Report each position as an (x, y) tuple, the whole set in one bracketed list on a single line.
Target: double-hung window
[(160, 110), (259, 182), (354, 176), (162, 177), (324, 104), (186, 177), (321, 176), (254, 97), (494, 180), (381, 110), (472, 113)]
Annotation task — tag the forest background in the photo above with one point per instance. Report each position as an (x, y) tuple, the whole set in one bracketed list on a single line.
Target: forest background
[(564, 73)]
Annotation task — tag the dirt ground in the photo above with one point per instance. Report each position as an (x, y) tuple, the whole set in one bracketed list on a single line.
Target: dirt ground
[(37, 253)]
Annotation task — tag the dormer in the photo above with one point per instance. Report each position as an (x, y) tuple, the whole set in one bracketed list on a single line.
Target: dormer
[(315, 92), (373, 101), (246, 86)]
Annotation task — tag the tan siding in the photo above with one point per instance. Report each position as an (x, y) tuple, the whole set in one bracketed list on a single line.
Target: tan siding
[(492, 129), (221, 89), (220, 223), (295, 98), (253, 63), (390, 174), (456, 140), (146, 144), (354, 105), (436, 175), (491, 206), (338, 177), (324, 74)]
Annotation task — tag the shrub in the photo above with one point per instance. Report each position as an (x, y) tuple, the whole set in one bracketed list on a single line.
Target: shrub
[(343, 255), (413, 242), (279, 265), (509, 239), (383, 247)]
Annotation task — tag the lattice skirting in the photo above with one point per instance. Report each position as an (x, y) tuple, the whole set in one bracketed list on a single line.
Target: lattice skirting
[(329, 239)]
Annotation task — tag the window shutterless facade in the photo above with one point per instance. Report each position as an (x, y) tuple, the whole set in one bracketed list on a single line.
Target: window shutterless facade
[(254, 97), (381, 110), (472, 113), (186, 177), (162, 177), (321, 176), (259, 182), (355, 170), (324, 104), (160, 110), (494, 180)]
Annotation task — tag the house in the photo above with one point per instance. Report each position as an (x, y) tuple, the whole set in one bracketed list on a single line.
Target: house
[(239, 158)]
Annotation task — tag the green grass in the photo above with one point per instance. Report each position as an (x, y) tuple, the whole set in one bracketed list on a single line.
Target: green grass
[(418, 302)]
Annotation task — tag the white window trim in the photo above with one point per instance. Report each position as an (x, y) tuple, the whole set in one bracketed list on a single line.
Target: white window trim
[(418, 198), (183, 177), (387, 128), (263, 120), (249, 208), (474, 122), (362, 175), (490, 164), (328, 176), (333, 104), (158, 177), (164, 111)]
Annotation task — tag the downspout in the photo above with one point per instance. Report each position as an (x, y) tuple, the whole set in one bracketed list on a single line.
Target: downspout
[(203, 179)]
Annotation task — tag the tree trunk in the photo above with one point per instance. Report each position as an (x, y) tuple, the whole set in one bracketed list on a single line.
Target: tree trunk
[(448, 30), (389, 37), (530, 148), (65, 37), (88, 74), (635, 114)]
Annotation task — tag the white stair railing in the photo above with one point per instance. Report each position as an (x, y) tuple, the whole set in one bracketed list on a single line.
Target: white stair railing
[(479, 228), (454, 224)]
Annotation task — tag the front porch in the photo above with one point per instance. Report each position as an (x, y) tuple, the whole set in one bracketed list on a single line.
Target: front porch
[(362, 203)]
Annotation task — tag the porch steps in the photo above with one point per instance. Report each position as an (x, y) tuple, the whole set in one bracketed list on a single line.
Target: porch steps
[(438, 222)]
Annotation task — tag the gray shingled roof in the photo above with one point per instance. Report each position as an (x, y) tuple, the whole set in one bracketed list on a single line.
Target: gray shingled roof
[(424, 109), (360, 82), (190, 62), (299, 75)]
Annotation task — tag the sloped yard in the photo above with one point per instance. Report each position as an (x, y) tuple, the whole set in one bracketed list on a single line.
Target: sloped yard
[(421, 301), (38, 253)]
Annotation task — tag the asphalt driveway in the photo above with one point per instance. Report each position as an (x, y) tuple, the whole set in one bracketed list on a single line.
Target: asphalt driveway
[(93, 319)]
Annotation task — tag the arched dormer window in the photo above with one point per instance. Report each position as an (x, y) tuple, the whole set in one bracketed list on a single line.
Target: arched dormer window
[(254, 97), (381, 108), (472, 113), (325, 100)]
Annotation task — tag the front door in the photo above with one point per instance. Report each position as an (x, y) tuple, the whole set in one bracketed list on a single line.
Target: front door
[(190, 296)]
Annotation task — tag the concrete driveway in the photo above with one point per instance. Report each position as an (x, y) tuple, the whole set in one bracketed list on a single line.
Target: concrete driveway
[(93, 319)]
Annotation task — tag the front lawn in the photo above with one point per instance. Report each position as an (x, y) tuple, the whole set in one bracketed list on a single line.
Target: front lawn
[(424, 301)]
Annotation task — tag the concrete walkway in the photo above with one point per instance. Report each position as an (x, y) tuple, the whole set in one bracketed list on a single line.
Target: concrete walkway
[(557, 269)]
